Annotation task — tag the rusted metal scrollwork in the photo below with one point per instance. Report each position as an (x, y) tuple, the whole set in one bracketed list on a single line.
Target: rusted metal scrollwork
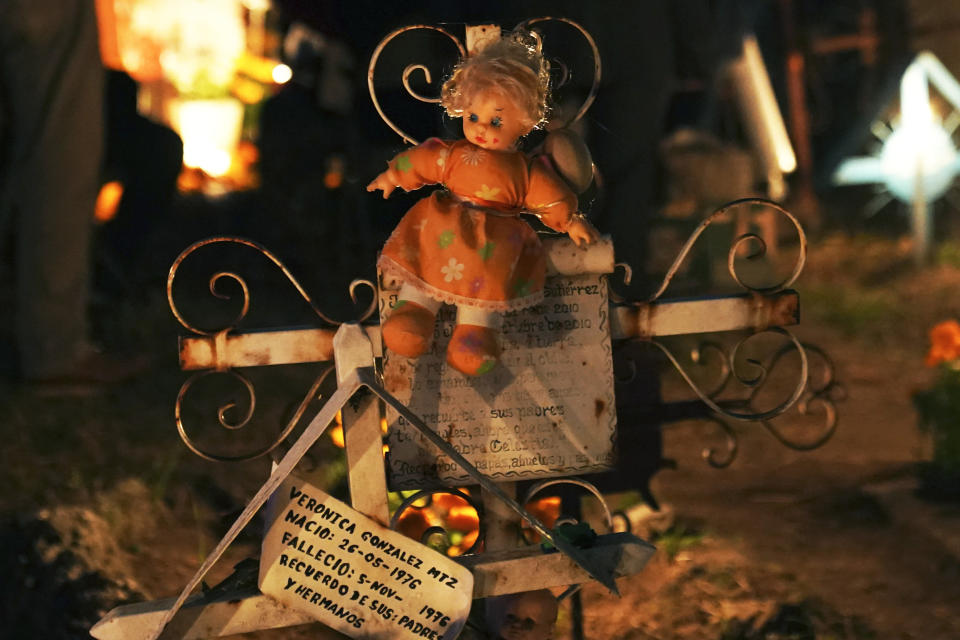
[(716, 458), (225, 413), (759, 314), (700, 357), (576, 482), (753, 382), (245, 306), (411, 68), (744, 241), (822, 392), (597, 70), (406, 74), (820, 396), (225, 422), (423, 499)]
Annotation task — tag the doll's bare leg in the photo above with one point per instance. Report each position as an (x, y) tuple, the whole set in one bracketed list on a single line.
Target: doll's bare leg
[(409, 328), (474, 347)]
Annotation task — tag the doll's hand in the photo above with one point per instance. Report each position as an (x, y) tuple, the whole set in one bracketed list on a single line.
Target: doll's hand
[(581, 231), (384, 183)]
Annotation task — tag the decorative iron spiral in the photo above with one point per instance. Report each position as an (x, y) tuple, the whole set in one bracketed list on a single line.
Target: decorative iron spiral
[(226, 423), (216, 278), (577, 482), (746, 240), (760, 374), (426, 495), (411, 68)]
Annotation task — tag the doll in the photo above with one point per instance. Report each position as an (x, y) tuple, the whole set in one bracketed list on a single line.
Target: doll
[(466, 244)]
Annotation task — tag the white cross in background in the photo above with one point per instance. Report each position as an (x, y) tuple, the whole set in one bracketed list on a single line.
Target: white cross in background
[(918, 160)]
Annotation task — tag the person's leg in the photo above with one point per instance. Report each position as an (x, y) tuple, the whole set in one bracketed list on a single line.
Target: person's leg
[(52, 81)]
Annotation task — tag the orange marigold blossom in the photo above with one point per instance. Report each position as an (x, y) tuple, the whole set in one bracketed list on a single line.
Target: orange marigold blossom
[(462, 518), (414, 522), (944, 343)]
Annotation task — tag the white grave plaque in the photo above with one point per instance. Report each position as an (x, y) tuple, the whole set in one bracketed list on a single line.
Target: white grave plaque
[(324, 559), (546, 410)]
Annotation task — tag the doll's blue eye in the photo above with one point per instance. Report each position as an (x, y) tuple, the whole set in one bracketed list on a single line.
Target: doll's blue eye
[(474, 117), (496, 121)]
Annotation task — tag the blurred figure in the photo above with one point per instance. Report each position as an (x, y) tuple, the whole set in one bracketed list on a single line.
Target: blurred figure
[(52, 131), (145, 157)]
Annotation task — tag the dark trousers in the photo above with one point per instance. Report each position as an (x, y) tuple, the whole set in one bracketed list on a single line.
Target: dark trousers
[(51, 138)]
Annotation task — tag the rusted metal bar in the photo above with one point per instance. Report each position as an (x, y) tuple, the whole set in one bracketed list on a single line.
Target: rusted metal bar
[(261, 348), (680, 317), (677, 317), (528, 568)]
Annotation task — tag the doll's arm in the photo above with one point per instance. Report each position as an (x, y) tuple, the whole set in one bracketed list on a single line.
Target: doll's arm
[(385, 182), (581, 231), (413, 168), (555, 204)]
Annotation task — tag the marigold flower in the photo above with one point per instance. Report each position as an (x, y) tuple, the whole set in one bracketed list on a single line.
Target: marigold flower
[(944, 343)]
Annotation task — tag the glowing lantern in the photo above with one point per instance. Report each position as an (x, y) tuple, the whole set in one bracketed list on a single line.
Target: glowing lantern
[(210, 130), (195, 45)]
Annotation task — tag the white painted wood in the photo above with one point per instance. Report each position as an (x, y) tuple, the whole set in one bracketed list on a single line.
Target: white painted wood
[(362, 434)]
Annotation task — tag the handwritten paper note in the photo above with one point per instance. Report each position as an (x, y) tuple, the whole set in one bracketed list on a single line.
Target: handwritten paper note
[(546, 410), (333, 563)]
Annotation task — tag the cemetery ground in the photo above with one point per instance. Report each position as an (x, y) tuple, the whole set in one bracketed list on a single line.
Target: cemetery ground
[(102, 503)]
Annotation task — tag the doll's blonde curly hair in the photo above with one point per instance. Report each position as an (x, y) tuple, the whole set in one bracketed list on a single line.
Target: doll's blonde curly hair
[(512, 66)]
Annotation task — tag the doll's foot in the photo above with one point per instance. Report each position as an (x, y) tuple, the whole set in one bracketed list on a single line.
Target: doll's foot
[(409, 329), (473, 349)]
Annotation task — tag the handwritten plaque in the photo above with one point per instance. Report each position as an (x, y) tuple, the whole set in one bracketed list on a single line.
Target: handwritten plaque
[(546, 410), (324, 559)]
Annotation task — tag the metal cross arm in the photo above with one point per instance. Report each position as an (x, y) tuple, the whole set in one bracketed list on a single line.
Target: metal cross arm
[(227, 350), (708, 314), (747, 311)]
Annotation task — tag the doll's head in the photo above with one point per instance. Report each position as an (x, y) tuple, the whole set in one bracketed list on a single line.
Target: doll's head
[(500, 92)]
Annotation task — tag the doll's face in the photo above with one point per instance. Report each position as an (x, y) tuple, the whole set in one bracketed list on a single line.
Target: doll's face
[(493, 121)]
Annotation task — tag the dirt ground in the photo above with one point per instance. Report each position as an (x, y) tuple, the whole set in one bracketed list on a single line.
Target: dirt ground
[(780, 545), (798, 533)]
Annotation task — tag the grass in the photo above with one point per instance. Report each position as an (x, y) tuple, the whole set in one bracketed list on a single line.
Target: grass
[(854, 311), (948, 254), (678, 538)]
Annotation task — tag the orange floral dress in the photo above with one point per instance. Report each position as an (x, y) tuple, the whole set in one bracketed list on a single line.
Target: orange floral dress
[(467, 245)]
